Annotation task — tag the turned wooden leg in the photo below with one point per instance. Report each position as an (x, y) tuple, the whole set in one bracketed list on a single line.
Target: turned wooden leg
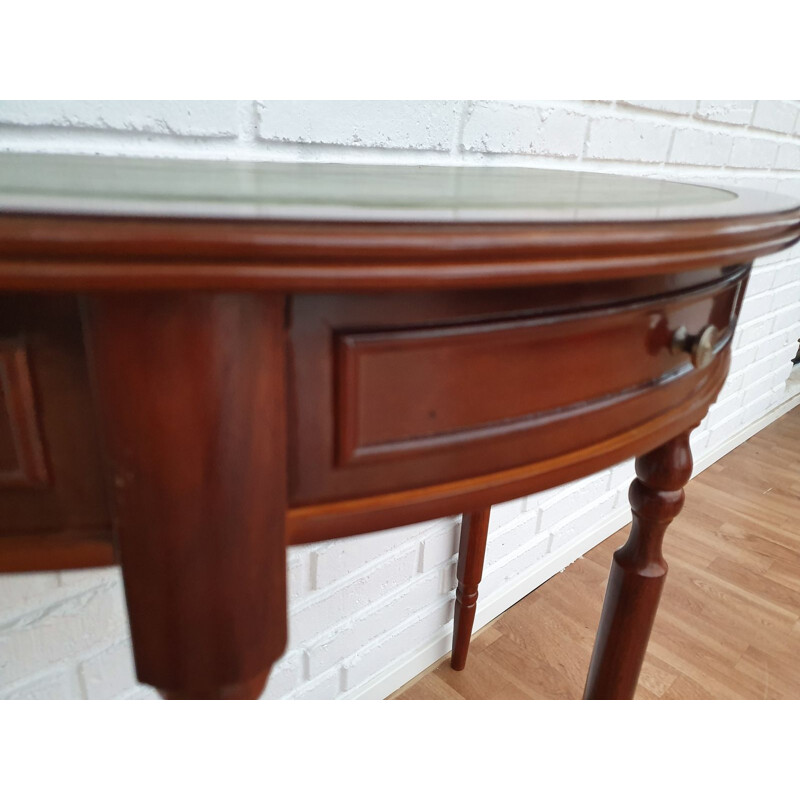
[(638, 572), (190, 391), (471, 552)]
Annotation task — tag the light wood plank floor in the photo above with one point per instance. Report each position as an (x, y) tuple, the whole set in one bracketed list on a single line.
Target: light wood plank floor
[(728, 626)]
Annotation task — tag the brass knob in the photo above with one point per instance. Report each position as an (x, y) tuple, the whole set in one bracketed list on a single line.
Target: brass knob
[(699, 347)]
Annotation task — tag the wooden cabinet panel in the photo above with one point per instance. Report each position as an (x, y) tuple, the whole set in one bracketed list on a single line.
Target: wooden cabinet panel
[(52, 498), (22, 461)]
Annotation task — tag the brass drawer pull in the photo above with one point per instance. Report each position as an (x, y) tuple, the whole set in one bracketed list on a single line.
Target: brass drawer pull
[(699, 347)]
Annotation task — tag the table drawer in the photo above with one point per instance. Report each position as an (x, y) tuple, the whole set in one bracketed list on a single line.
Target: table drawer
[(404, 405)]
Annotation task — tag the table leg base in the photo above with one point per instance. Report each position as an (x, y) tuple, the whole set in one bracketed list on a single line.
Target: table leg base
[(191, 396), (246, 690), (471, 553), (638, 572)]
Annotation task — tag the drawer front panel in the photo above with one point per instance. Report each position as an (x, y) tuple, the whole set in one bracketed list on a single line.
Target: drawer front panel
[(405, 391), (400, 406)]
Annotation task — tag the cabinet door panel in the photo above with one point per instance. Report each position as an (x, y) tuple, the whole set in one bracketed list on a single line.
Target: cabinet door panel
[(52, 496)]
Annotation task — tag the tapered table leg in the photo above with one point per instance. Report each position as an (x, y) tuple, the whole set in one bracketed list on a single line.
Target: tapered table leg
[(471, 552), (190, 391), (638, 572)]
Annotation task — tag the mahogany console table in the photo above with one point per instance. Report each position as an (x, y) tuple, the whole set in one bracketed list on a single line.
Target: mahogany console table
[(201, 363)]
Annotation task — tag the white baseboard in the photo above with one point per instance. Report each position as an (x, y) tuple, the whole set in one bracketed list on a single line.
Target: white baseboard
[(399, 673)]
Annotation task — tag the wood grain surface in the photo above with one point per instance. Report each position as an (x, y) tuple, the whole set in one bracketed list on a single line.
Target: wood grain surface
[(728, 626), (638, 571), (471, 553), (77, 223), (197, 478)]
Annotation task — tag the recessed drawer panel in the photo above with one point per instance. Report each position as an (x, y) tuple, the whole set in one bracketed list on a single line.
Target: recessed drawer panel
[(50, 469), (400, 392), (22, 461)]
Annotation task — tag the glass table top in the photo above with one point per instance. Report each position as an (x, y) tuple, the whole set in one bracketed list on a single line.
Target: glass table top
[(66, 184)]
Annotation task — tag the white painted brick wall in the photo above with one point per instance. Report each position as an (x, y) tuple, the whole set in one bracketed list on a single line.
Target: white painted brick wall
[(524, 129), (774, 115), (188, 118), (400, 125), (736, 112), (641, 140), (360, 607), (701, 146), (681, 107)]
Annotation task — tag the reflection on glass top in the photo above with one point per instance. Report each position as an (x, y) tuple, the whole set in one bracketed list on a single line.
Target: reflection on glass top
[(228, 189)]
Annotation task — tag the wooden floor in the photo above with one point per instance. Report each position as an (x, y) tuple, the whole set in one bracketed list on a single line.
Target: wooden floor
[(728, 626)]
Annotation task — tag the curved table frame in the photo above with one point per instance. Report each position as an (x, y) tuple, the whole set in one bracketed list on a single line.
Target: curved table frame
[(255, 384)]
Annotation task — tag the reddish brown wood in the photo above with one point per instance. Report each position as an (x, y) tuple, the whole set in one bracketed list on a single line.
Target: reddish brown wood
[(191, 395), (93, 253), (56, 549), (250, 689), (398, 393), (471, 553), (22, 460), (560, 326), (59, 519), (410, 391), (638, 572), (320, 521)]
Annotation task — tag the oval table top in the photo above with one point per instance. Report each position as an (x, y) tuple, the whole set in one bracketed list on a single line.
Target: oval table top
[(316, 226), (152, 187)]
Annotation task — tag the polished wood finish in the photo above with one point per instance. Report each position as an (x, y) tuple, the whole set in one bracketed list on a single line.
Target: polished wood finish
[(279, 354), (319, 521), (22, 461), (406, 392), (80, 548), (98, 254), (190, 391), (58, 515), (471, 552), (728, 625), (250, 689), (638, 572), (412, 407)]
